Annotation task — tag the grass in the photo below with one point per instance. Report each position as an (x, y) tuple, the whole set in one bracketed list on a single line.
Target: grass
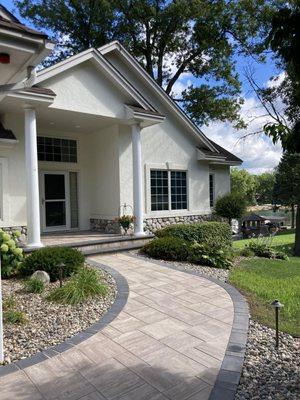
[(14, 317), (83, 285), (263, 280), (282, 242), (34, 285)]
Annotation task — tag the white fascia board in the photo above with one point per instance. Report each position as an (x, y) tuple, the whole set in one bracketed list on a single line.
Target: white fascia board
[(90, 54), (140, 116), (229, 163), (32, 97), (134, 64)]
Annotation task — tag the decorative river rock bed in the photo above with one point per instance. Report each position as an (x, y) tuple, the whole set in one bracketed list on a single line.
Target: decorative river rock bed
[(49, 323)]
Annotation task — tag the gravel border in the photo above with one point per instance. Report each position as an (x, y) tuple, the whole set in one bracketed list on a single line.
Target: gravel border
[(219, 273), (111, 314), (230, 372)]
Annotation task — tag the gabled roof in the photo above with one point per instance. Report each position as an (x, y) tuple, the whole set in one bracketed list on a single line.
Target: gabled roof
[(117, 46), (93, 54), (221, 152), (9, 21), (211, 146), (253, 217)]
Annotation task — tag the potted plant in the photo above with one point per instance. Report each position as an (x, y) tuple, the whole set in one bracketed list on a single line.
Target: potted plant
[(125, 221)]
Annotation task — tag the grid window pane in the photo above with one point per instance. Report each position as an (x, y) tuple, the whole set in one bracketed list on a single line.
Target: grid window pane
[(54, 149), (159, 190), (211, 190), (178, 190)]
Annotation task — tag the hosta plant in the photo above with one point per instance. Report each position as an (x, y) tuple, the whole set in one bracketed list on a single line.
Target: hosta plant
[(11, 253)]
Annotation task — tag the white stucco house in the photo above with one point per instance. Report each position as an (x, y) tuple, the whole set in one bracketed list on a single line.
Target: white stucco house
[(86, 136)]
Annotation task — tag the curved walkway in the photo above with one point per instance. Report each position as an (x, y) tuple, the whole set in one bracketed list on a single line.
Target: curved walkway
[(168, 342)]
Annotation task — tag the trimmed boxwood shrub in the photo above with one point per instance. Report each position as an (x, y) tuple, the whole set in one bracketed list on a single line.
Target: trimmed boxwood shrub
[(49, 258), (167, 248), (215, 234)]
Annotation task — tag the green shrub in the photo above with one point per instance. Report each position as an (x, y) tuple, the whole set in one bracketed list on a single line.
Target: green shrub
[(211, 256), (247, 252), (231, 205), (167, 248), (49, 258), (215, 234), (14, 317), (262, 247), (11, 254), (34, 285), (86, 283)]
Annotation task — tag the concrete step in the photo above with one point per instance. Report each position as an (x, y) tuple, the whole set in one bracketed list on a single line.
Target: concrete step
[(113, 245), (109, 245)]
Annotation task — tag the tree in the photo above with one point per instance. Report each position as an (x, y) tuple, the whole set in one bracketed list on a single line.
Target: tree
[(287, 187), (265, 187), (231, 205), (284, 40), (169, 38), (243, 183)]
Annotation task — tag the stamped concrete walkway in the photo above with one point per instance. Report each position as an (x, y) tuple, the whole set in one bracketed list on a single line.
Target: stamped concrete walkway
[(167, 343)]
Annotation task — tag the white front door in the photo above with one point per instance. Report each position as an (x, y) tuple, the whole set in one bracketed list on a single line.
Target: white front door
[(55, 202)]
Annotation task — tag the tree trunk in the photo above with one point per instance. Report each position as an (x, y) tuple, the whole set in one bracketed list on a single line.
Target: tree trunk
[(297, 238), (293, 216)]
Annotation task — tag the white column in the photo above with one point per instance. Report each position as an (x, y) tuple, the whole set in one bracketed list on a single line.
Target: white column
[(32, 180), (137, 179)]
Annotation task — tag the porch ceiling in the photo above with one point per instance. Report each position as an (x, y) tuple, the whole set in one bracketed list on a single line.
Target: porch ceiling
[(59, 120)]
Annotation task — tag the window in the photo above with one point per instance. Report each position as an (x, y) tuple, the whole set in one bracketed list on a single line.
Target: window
[(211, 190), (168, 190), (59, 150), (178, 190), (159, 190)]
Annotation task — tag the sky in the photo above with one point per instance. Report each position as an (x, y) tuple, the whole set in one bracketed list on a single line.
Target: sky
[(257, 151)]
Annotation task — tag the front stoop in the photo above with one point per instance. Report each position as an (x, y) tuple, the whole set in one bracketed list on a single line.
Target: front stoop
[(110, 245)]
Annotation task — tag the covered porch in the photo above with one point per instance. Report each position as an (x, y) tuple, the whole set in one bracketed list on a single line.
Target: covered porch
[(94, 172)]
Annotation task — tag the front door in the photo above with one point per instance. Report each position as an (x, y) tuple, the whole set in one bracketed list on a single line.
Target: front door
[(55, 201)]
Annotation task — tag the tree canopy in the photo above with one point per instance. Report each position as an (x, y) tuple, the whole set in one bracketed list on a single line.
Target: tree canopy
[(284, 40), (170, 38), (255, 188)]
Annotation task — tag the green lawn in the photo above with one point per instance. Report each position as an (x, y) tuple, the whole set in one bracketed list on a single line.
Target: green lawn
[(262, 281), (283, 242)]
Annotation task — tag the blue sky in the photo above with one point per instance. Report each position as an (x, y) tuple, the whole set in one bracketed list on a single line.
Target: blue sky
[(258, 152)]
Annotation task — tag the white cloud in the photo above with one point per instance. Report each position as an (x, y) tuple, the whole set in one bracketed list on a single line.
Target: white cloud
[(257, 151), (275, 81)]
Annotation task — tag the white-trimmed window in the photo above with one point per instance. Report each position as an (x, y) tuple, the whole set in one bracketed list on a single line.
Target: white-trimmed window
[(211, 190), (168, 190)]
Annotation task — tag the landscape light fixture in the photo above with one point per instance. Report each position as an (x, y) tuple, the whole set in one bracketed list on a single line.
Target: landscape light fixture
[(277, 306), (61, 267)]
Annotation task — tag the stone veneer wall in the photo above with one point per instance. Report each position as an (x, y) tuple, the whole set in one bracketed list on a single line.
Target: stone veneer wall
[(153, 224), (105, 225), (150, 224), (11, 229)]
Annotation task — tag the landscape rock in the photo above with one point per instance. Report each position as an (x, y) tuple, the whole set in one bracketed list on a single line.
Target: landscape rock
[(42, 276)]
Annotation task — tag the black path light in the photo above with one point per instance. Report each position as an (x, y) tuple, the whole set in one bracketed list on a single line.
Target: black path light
[(277, 305), (61, 268)]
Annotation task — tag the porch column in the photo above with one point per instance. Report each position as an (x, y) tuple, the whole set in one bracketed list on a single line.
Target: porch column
[(137, 179), (32, 180)]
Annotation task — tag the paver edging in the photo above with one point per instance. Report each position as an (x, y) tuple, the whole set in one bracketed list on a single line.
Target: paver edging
[(108, 317), (230, 372)]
